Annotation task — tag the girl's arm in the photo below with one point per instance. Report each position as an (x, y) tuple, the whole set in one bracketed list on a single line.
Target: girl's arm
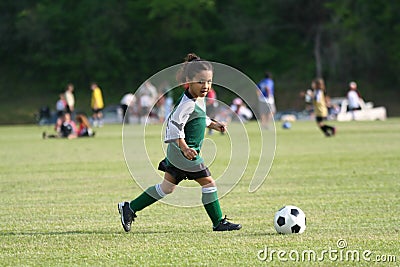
[(218, 126), (188, 152)]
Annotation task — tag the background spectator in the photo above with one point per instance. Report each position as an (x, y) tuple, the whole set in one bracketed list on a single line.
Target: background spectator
[(70, 98), (266, 99), (65, 128), (61, 105), (97, 105), (353, 97), (148, 97), (127, 100), (211, 105), (320, 107), (84, 126), (242, 111)]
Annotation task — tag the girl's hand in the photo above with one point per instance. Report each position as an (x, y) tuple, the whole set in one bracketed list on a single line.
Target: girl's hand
[(218, 126), (189, 153)]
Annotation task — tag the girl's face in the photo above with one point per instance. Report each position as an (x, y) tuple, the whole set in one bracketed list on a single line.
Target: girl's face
[(313, 85), (201, 83), (67, 117)]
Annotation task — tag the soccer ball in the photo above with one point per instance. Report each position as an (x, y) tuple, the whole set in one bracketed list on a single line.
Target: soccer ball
[(286, 125), (290, 219)]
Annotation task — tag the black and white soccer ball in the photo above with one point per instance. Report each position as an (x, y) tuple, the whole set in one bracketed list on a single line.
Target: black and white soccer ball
[(290, 220)]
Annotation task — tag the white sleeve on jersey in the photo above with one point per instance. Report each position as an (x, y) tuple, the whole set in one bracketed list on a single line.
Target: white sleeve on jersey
[(177, 120), (202, 104), (208, 121)]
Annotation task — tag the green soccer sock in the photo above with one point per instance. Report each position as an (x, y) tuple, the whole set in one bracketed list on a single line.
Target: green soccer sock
[(211, 204), (148, 197)]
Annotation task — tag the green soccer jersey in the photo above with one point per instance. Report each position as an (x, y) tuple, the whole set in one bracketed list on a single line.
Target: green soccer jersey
[(188, 120)]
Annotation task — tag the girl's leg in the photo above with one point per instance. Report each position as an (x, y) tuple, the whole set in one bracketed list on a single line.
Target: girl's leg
[(148, 197), (331, 129), (210, 199), (323, 128), (211, 204), (326, 129), (154, 193)]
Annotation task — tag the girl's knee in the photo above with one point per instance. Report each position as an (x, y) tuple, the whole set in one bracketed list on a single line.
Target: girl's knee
[(168, 185), (209, 182), (168, 189)]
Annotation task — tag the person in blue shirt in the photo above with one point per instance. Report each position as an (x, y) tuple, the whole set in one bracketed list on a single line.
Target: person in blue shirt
[(266, 99)]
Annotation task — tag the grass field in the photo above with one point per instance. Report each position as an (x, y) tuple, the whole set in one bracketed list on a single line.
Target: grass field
[(59, 203)]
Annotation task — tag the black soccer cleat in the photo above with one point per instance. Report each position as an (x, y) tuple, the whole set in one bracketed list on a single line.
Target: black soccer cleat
[(333, 130), (127, 215), (225, 225)]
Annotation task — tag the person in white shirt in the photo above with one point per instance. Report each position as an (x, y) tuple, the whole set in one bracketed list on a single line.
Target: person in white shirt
[(242, 111), (127, 99), (148, 97), (353, 97), (69, 97)]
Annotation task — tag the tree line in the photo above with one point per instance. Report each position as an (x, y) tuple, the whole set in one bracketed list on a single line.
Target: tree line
[(121, 43)]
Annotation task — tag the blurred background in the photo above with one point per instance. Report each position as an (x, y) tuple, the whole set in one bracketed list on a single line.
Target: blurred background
[(46, 44)]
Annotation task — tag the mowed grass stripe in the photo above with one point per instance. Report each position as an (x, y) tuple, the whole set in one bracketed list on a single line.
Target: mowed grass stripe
[(58, 199)]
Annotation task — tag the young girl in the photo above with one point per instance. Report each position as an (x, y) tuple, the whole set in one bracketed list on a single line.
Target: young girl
[(184, 135), (84, 126), (65, 128), (320, 108)]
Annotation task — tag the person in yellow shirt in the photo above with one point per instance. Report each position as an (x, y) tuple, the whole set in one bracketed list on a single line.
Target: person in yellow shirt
[(97, 105), (320, 107)]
